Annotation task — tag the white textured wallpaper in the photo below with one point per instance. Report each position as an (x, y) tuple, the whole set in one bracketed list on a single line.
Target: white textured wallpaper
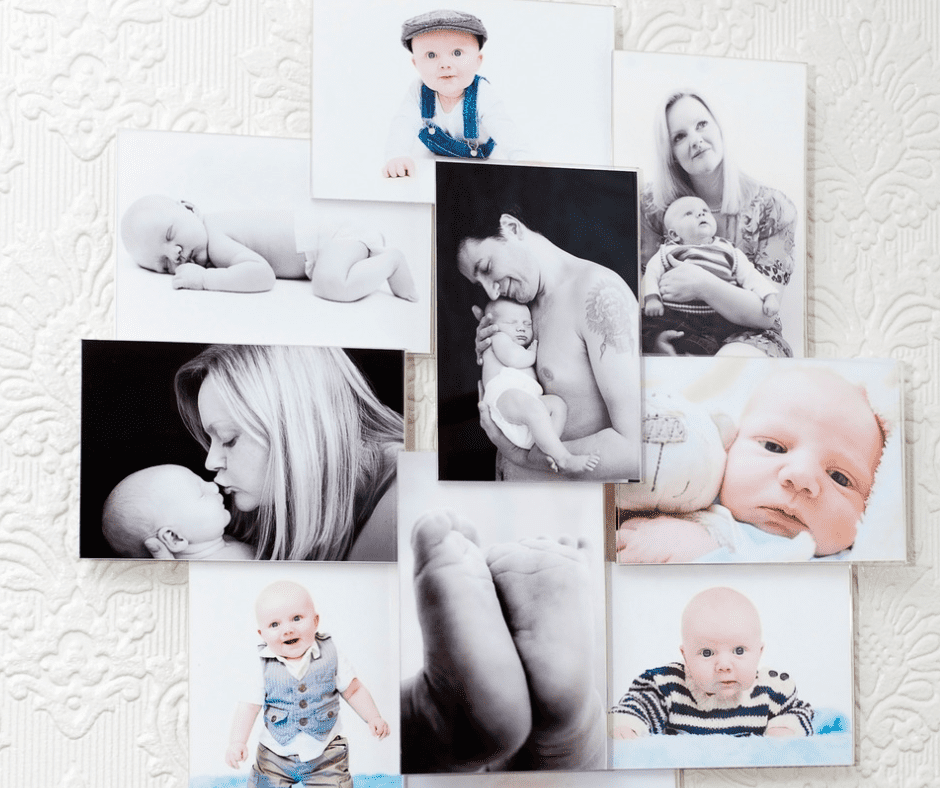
[(93, 665)]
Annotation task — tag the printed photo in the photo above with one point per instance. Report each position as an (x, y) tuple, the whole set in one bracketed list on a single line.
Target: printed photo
[(537, 323), (235, 452), (293, 675), (660, 778), (503, 639), (219, 241), (488, 80), (731, 666), (721, 143), (767, 460)]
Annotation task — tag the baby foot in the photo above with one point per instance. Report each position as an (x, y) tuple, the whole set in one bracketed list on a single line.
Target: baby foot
[(469, 705), (544, 586), (401, 282), (575, 463)]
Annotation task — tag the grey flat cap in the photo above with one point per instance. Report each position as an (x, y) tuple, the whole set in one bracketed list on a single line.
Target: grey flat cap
[(441, 20)]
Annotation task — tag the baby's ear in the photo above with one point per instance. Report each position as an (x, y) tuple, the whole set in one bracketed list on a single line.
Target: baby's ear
[(672, 235), (172, 540), (190, 207)]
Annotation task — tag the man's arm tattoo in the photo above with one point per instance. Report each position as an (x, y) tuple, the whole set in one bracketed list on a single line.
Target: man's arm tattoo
[(612, 315)]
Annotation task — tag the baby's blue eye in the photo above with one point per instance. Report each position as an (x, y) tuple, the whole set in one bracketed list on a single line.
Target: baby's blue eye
[(773, 446), (273, 625), (840, 478), (297, 618), (707, 652), (431, 55), (739, 650), (458, 52)]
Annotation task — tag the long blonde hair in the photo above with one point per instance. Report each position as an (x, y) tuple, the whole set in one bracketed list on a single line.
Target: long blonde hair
[(672, 181), (331, 442)]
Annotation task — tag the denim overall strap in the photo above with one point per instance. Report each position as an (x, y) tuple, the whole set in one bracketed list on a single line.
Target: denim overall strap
[(440, 142)]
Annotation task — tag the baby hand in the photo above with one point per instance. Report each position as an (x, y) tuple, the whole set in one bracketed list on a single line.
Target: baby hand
[(653, 307), (663, 345), (771, 304), (399, 167), (235, 754), (779, 730), (662, 540), (378, 727), (189, 276), (534, 346)]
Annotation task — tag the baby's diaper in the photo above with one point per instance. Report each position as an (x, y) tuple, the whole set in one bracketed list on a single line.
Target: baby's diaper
[(509, 378), (335, 231)]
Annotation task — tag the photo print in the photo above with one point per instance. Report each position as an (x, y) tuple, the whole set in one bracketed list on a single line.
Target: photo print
[(234, 452), (721, 143), (660, 778), (503, 652), (416, 79), (219, 241), (731, 666), (767, 460), (546, 385), (258, 702)]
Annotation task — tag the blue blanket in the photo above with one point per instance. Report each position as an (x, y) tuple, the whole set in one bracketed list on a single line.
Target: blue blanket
[(833, 744)]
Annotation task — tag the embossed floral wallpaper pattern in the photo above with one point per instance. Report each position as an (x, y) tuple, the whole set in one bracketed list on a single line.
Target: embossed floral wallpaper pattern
[(93, 672)]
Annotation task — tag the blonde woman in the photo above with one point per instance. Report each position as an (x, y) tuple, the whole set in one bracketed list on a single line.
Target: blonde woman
[(692, 160), (303, 447)]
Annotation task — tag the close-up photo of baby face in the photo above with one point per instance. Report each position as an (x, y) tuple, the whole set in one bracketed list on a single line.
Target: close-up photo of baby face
[(513, 319), (804, 459), (447, 60)]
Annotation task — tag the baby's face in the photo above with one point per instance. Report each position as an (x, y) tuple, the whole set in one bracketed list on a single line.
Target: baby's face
[(287, 620), (690, 221), (447, 60), (721, 648), (190, 507), (804, 459), (513, 319), (162, 234)]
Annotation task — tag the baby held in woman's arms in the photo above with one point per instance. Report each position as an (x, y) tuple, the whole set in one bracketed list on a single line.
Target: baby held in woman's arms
[(516, 402), (698, 326), (168, 511), (247, 251), (796, 481), (718, 687)]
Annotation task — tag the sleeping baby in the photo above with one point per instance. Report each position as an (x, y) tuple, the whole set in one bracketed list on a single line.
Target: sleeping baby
[(796, 480)]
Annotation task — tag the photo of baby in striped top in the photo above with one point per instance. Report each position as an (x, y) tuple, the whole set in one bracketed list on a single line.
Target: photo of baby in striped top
[(719, 686)]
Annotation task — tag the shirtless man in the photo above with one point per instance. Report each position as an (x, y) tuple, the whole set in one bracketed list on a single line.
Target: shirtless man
[(586, 318)]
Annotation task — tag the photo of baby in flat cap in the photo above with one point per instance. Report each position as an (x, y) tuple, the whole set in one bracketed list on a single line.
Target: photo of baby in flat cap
[(481, 81), (450, 108)]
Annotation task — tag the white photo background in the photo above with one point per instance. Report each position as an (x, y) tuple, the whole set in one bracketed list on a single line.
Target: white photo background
[(548, 62), (806, 622), (217, 172), (506, 512), (358, 607), (761, 108), (724, 385)]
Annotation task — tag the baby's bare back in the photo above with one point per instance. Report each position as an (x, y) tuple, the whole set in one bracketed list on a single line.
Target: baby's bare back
[(270, 233)]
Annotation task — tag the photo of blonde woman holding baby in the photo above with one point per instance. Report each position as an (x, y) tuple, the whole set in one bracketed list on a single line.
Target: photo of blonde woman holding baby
[(722, 206), (295, 439)]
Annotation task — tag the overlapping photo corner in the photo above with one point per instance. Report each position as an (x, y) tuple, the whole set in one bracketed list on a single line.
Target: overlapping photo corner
[(259, 187)]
